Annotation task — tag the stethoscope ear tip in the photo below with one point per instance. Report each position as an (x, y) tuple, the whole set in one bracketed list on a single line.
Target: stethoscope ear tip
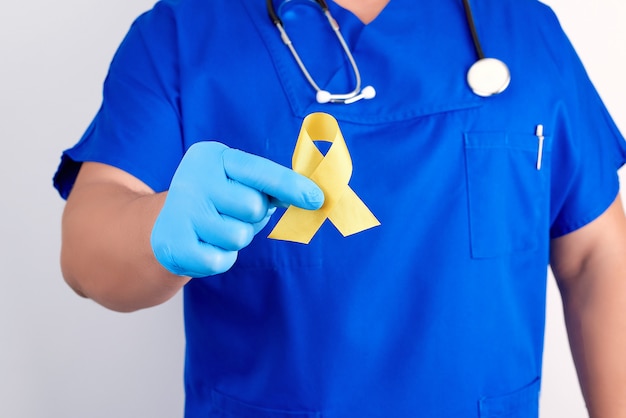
[(368, 92), (322, 96)]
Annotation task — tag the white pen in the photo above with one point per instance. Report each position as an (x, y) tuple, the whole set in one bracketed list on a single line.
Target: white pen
[(539, 135)]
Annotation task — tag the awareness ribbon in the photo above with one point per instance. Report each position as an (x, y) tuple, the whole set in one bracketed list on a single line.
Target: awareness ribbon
[(331, 172)]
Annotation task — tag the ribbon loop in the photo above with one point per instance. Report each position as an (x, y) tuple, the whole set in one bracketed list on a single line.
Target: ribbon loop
[(331, 172)]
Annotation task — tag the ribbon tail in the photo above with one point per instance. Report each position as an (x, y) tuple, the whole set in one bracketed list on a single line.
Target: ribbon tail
[(298, 225), (350, 215)]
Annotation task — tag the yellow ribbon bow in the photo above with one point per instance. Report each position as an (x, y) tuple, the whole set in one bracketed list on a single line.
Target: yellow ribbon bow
[(331, 172)]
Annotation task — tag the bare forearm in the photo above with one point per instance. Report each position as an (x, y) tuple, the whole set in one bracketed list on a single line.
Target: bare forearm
[(590, 267), (596, 321), (106, 253)]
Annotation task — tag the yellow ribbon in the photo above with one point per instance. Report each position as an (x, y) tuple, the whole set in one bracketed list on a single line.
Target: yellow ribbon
[(331, 172)]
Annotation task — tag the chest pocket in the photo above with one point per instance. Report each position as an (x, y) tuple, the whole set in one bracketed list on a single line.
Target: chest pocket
[(507, 192)]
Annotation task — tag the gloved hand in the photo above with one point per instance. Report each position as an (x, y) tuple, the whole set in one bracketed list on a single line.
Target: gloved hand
[(218, 200)]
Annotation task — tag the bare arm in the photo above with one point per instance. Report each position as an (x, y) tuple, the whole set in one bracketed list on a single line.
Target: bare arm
[(590, 268), (106, 253), (128, 248)]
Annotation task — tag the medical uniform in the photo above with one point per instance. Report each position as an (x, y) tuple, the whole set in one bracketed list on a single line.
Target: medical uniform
[(437, 312)]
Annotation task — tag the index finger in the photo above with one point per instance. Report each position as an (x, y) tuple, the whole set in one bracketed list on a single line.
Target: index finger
[(273, 179)]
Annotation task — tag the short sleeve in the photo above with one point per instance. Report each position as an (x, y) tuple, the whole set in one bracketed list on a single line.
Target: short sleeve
[(137, 127), (588, 147)]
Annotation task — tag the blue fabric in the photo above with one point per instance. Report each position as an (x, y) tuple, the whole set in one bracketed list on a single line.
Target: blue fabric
[(438, 312)]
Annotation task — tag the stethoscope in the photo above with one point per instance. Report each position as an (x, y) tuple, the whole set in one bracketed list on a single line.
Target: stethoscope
[(486, 77)]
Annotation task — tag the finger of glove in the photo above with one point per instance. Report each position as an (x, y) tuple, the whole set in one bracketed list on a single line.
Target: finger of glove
[(260, 225), (224, 231), (281, 183), (188, 217), (202, 260), (182, 253), (231, 234), (199, 252), (210, 260), (201, 181), (239, 201)]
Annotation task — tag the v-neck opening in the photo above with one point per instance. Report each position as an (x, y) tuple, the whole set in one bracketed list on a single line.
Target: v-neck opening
[(429, 81), (336, 7)]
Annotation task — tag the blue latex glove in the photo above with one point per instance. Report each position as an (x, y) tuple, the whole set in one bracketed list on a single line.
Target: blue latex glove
[(218, 200)]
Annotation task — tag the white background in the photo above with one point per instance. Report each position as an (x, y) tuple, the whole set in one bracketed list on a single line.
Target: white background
[(63, 356)]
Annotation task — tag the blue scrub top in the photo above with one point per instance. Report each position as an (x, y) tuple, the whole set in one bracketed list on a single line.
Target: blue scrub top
[(438, 312)]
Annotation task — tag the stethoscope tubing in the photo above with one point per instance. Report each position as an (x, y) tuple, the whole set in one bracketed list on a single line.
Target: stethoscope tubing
[(486, 77), (329, 97), (469, 17)]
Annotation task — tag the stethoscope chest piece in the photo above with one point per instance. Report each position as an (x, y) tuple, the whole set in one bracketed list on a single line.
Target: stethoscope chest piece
[(488, 76)]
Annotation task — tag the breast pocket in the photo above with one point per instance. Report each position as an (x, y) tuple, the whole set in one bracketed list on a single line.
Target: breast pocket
[(507, 192)]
